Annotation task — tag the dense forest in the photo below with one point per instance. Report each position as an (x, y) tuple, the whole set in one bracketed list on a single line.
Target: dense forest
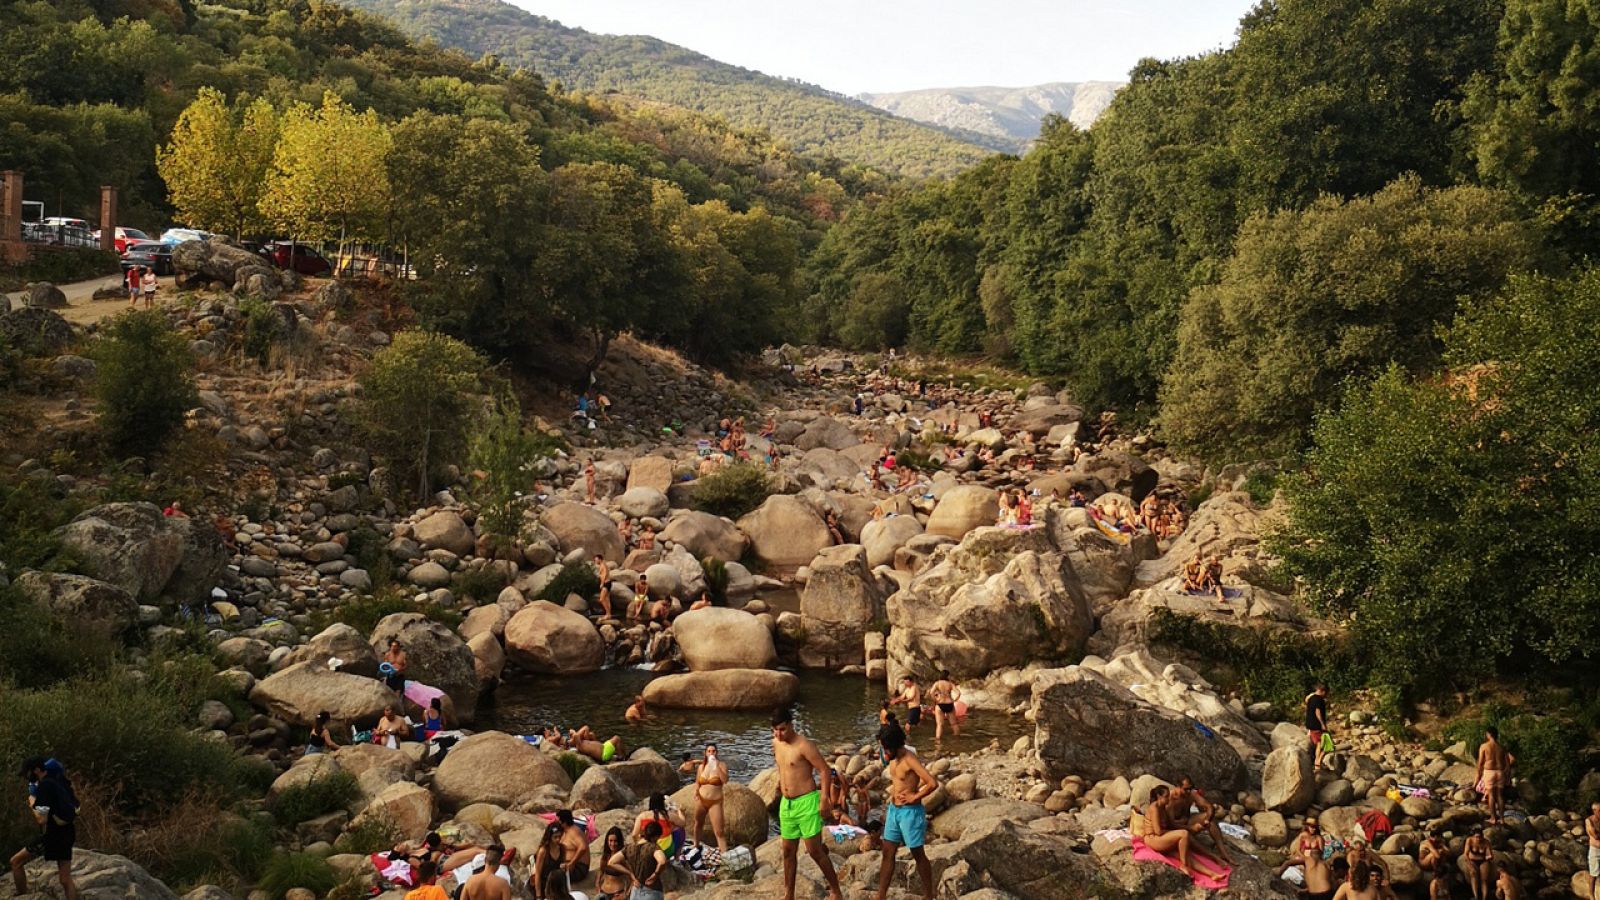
[(802, 116), (1244, 230), (586, 213)]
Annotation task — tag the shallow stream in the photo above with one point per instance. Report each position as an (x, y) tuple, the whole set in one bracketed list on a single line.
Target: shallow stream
[(833, 710)]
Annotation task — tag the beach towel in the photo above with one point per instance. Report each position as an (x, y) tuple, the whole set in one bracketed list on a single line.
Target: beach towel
[(1143, 853), (842, 833), (421, 694), (1111, 531), (396, 871)]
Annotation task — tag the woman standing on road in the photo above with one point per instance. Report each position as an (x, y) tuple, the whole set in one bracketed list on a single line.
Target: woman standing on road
[(133, 278), (149, 283)]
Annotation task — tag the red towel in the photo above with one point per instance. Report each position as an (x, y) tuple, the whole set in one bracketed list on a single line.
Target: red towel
[(1143, 853)]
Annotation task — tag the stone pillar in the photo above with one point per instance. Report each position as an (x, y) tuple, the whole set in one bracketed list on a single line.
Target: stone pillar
[(108, 217), (12, 250)]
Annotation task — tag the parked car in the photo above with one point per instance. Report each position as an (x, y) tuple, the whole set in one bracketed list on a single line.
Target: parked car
[(296, 256), (67, 221), (148, 255), (124, 237), (173, 236)]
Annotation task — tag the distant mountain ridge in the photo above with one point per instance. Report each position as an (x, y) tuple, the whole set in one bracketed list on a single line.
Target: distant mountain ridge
[(808, 118), (1001, 117)]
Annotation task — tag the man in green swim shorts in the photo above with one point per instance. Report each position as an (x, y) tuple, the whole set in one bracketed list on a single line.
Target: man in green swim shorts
[(803, 807)]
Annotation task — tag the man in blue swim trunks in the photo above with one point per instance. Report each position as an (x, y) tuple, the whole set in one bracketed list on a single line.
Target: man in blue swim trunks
[(803, 808), (905, 822)]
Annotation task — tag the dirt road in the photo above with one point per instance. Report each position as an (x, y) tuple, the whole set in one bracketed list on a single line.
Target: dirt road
[(82, 308)]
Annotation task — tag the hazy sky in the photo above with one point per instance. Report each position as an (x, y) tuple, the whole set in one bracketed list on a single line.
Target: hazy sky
[(854, 46)]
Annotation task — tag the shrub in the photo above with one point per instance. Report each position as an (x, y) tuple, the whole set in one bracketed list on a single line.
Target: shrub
[(313, 798), (372, 834), (1272, 664), (145, 381), (580, 579), (371, 554), (31, 508), (1549, 748), (297, 870), (364, 613), (733, 490), (60, 266), (716, 572), (480, 585), (417, 402), (1261, 484), (194, 843), (39, 650), (264, 327), (503, 453), (574, 764)]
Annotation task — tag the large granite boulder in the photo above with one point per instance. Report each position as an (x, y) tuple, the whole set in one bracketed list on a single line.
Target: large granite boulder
[(34, 331), (408, 808), (642, 502), (650, 472), (1181, 689), (435, 656), (725, 689), (825, 431), (744, 815), (963, 508), (1121, 472), (495, 767), (1225, 525), (1075, 709), (785, 531), (445, 530), (342, 643), (721, 638), (1288, 783), (645, 772), (598, 789), (1001, 598), (151, 556), (84, 604), (553, 640), (212, 260), (98, 876), (298, 693), (882, 537), (578, 526), (705, 535), (841, 602)]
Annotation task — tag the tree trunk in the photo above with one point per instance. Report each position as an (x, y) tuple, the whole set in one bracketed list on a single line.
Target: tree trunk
[(602, 342)]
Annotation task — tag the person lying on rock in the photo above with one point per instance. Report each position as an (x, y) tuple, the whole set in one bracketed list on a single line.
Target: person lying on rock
[(584, 741), (1191, 806), (1164, 834)]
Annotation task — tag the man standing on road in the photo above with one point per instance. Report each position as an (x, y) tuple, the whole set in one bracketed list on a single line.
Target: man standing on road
[(905, 822), (803, 808), (148, 282)]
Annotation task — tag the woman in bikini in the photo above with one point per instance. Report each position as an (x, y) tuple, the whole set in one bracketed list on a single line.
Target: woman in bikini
[(709, 778), (1480, 864), (1309, 848), (612, 886), (1163, 836)]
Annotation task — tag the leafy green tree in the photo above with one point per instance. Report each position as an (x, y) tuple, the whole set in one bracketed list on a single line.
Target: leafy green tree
[(216, 165), (328, 179), (1536, 121), (1451, 519), (502, 453), (418, 403), (469, 194), (1340, 290), (145, 381)]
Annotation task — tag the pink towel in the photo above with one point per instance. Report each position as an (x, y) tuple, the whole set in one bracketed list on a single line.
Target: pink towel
[(422, 694), (1143, 853)]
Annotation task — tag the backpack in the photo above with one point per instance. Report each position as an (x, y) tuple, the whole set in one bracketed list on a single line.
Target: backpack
[(1375, 825)]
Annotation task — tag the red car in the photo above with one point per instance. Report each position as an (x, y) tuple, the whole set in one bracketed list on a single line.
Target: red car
[(124, 237), (299, 257)]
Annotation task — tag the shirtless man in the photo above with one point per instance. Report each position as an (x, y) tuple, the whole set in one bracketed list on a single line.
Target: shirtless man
[(588, 482), (1163, 835), (709, 777), (1591, 828), (635, 712), (563, 857), (1480, 864), (905, 822), (910, 696), (487, 883), (1185, 797), (1507, 887), (944, 695), (584, 741), (395, 656), (602, 569), (800, 811), (1494, 764), (1433, 854)]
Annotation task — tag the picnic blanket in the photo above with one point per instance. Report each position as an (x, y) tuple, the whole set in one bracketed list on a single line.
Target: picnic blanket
[(1143, 853)]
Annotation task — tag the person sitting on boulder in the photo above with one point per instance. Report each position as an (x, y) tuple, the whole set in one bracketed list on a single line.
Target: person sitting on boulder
[(661, 610), (835, 531), (703, 601), (584, 741), (769, 428), (1024, 510), (625, 531), (390, 729), (1184, 798), (1433, 854), (647, 540), (1163, 835), (1076, 499), (1194, 575), (321, 739), (641, 598), (395, 656), (1480, 864)]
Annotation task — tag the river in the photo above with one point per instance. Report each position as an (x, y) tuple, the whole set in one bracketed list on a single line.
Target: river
[(834, 710)]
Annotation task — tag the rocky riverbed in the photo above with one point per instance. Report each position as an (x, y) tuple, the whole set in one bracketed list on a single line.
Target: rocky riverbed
[(1047, 625)]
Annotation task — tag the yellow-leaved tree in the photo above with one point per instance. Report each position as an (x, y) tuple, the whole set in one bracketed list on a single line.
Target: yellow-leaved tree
[(328, 181), (216, 165)]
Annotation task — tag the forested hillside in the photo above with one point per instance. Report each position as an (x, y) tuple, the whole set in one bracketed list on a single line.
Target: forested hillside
[(802, 116), (532, 209)]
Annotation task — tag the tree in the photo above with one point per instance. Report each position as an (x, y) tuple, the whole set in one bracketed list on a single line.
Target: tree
[(418, 402), (216, 165), (1536, 121), (469, 194), (328, 179), (502, 454), (1452, 519), (1340, 290), (145, 381)]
